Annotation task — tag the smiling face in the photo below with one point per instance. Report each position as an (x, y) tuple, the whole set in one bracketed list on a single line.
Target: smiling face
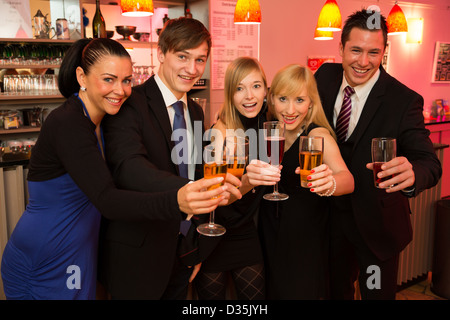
[(361, 55), (182, 69), (292, 109), (249, 95), (108, 85)]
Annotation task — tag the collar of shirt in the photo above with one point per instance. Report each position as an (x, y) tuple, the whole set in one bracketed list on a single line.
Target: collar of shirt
[(168, 96)]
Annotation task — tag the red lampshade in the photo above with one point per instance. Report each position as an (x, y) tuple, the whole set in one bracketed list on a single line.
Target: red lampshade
[(396, 21), (329, 17), (247, 12), (136, 8)]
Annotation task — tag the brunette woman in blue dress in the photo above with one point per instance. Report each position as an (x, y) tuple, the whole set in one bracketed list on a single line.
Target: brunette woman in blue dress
[(52, 252)]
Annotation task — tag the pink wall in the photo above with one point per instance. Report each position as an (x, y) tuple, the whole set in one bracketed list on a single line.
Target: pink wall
[(287, 37)]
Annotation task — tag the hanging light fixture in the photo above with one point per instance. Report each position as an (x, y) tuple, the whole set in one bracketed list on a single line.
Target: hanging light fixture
[(323, 35), (247, 12), (415, 30), (329, 17), (136, 8), (396, 21)]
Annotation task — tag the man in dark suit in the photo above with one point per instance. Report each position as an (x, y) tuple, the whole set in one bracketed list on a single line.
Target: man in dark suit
[(143, 260), (371, 226)]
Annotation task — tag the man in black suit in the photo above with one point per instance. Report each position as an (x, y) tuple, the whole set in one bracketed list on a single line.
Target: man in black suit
[(143, 260), (371, 226)]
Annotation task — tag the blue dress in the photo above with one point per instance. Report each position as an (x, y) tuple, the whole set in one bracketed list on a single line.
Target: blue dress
[(52, 252), (60, 261)]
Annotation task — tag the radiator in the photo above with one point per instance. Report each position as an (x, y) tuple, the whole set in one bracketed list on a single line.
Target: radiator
[(416, 259)]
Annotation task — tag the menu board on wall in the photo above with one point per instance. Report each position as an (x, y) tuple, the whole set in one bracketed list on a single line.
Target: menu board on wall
[(230, 41)]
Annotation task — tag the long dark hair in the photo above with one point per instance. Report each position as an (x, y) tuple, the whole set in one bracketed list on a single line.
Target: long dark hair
[(85, 53)]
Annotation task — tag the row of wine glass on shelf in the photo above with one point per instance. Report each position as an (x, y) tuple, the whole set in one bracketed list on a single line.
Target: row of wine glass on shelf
[(30, 84), (32, 54)]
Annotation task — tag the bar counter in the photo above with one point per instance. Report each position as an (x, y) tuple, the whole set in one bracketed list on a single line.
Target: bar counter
[(438, 120)]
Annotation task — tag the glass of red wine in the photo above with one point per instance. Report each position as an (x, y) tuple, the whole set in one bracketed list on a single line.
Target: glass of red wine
[(274, 137), (383, 150)]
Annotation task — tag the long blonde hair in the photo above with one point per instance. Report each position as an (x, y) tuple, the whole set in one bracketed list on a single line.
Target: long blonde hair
[(236, 71), (290, 81)]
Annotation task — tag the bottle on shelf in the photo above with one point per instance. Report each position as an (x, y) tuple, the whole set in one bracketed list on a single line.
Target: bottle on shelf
[(187, 11), (165, 19), (98, 23)]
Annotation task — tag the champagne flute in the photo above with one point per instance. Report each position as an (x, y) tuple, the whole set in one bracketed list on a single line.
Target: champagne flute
[(310, 156), (237, 149), (274, 137), (214, 167)]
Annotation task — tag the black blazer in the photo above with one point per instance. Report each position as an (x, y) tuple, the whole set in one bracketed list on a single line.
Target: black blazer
[(391, 110), (136, 258)]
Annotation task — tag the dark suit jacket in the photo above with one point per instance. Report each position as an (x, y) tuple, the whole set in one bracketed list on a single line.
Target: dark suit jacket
[(391, 110), (136, 259)]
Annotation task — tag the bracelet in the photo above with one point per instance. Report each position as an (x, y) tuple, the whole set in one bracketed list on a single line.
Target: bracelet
[(330, 192)]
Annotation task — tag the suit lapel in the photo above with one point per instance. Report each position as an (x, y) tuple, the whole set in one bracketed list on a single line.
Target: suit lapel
[(196, 116), (334, 90), (156, 104), (370, 108)]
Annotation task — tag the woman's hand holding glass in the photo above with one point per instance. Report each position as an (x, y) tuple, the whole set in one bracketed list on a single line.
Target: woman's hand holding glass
[(260, 173), (233, 191), (320, 180)]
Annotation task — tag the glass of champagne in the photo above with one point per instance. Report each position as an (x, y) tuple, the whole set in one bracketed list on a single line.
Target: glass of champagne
[(310, 156), (214, 166), (237, 149), (274, 137)]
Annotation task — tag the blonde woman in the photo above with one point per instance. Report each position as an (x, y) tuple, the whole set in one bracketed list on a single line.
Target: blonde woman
[(294, 231), (238, 251)]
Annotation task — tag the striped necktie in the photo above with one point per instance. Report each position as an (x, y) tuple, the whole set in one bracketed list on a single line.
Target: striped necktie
[(181, 145), (344, 115)]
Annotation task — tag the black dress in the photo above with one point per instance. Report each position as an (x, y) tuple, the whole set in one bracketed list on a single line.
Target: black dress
[(240, 245), (294, 236)]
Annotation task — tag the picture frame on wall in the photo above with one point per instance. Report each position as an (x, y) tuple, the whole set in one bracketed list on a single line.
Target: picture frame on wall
[(441, 63), (314, 62)]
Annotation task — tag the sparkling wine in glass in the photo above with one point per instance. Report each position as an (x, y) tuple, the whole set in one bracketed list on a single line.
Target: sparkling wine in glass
[(214, 167), (310, 156), (237, 155), (274, 137)]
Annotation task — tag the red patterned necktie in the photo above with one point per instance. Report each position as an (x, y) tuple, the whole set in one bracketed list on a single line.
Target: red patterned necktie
[(344, 115)]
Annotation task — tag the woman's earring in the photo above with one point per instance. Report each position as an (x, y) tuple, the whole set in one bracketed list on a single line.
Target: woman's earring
[(82, 88)]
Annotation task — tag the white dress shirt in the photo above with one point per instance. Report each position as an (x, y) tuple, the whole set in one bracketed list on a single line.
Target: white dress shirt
[(169, 99), (359, 99)]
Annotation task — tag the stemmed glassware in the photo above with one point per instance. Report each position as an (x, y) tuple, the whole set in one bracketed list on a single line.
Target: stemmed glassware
[(214, 166), (310, 156), (237, 149), (274, 137)]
